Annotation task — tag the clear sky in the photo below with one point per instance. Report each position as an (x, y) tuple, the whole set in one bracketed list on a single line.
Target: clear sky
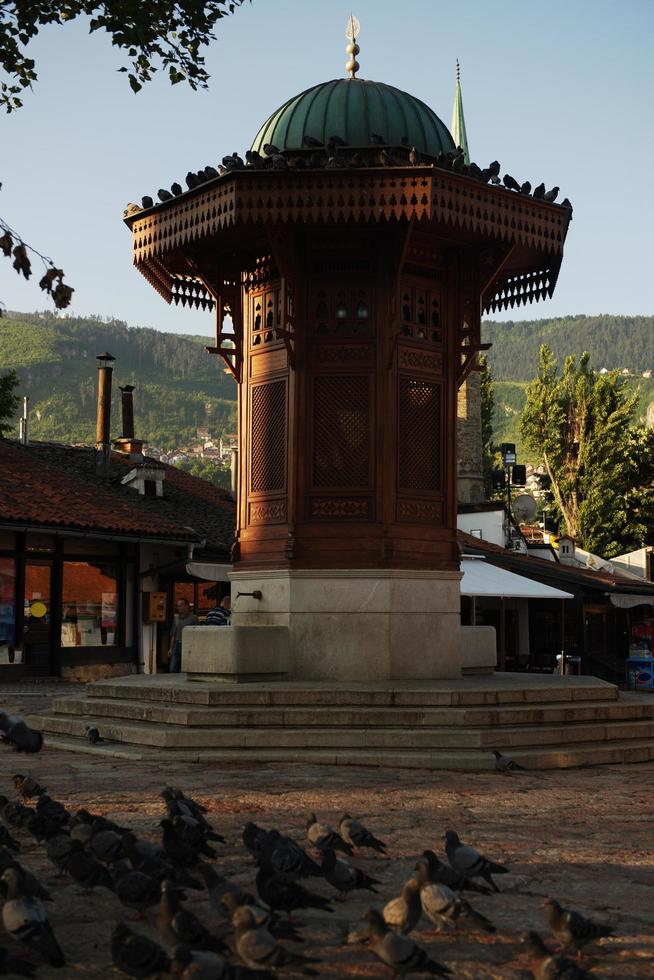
[(560, 92)]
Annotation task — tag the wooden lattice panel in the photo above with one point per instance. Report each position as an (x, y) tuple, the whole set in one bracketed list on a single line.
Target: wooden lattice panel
[(341, 431), (268, 437), (419, 435)]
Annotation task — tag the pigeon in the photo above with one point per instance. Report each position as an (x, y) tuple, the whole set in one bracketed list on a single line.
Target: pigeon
[(525, 188), (147, 202), (24, 919), (258, 948), (572, 928), (470, 862), (201, 965), (85, 870), (285, 855), (377, 140), (176, 189), (334, 142), (442, 874), (494, 168), (565, 203), (414, 157), (386, 159), (355, 834), (254, 838), (253, 159), (191, 180), (189, 831), (14, 813), (443, 906), (322, 836), (106, 846), (191, 812), (14, 966), (503, 763), (39, 827), (177, 849), (59, 848), (99, 823), (458, 162), (152, 860), (270, 149), (344, 877), (475, 171), (177, 924), (91, 732), (7, 859), (27, 787), (263, 918), (26, 883), (219, 886), (280, 892), (400, 953), (17, 733), (539, 192), (402, 914), (311, 143), (510, 182), (134, 889), (52, 810), (551, 196), (211, 172), (136, 954), (279, 162), (549, 965), (164, 195), (6, 840)]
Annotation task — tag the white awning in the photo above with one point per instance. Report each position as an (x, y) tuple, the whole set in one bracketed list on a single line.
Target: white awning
[(483, 579), (208, 571), (623, 601)]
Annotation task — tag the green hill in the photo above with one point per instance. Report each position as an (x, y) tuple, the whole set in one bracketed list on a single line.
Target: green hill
[(178, 385)]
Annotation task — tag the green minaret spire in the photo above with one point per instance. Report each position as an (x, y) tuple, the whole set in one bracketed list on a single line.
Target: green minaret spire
[(458, 127)]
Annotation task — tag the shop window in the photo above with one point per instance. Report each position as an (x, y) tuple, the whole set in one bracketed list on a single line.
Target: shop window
[(89, 614), (39, 542), (7, 610)]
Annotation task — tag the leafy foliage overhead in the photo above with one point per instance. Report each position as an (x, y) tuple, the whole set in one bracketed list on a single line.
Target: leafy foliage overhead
[(8, 401), (159, 34)]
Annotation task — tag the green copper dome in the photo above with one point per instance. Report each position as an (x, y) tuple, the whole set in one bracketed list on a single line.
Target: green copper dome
[(353, 109)]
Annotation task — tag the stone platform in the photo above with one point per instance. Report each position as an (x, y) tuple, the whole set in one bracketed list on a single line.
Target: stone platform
[(542, 721)]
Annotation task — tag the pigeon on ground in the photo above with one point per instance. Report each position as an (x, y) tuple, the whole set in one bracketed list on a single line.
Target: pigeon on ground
[(15, 732), (263, 918), (254, 838), (14, 966), (92, 733), (6, 840), (195, 964), (26, 883), (7, 859), (14, 813), (547, 965), (285, 855), (504, 763), (442, 906), (133, 888), (402, 914), (442, 874), (177, 924), (344, 877), (24, 919), (281, 893), (572, 929), (539, 192), (258, 948), (27, 787), (147, 202), (551, 196), (106, 846), (322, 836), (177, 849), (99, 823), (52, 810), (152, 860), (39, 827), (179, 804), (137, 955), (188, 831), (219, 886), (86, 871), (59, 848), (355, 834), (400, 953), (470, 862), (510, 182)]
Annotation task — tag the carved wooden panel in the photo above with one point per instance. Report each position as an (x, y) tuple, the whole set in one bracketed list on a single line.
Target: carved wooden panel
[(268, 437), (267, 512), (343, 508), (419, 511), (342, 354), (268, 362), (341, 431), (419, 435), (420, 360)]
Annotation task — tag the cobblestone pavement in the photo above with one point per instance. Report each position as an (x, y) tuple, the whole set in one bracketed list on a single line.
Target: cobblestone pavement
[(584, 836)]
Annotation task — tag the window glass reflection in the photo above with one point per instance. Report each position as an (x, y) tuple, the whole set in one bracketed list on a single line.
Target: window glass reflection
[(7, 611), (89, 615)]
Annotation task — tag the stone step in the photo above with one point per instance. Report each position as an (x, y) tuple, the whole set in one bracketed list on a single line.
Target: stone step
[(565, 756), (336, 716), (171, 737), (513, 689)]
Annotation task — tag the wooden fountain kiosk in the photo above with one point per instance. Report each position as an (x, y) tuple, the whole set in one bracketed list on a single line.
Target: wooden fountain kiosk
[(347, 268)]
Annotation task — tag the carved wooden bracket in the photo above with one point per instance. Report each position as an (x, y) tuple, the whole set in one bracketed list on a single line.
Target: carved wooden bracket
[(285, 256), (395, 304)]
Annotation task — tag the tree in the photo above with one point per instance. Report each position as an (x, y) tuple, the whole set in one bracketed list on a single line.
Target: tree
[(8, 401), (206, 470), (597, 456), (168, 34), (487, 400)]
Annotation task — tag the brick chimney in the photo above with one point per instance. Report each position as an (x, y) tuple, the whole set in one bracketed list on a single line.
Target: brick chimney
[(103, 418), (127, 443)]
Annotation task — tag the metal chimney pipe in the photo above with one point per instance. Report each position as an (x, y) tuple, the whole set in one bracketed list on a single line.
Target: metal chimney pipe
[(127, 404), (23, 436), (103, 419)]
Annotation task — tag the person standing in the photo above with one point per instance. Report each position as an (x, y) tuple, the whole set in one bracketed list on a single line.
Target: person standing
[(183, 618), (220, 615)]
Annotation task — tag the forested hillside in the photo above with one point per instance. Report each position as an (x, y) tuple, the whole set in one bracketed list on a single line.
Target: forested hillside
[(178, 385)]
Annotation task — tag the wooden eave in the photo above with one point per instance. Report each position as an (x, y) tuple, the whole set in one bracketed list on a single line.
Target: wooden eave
[(455, 206)]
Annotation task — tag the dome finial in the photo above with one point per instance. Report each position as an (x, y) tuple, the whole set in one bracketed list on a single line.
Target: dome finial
[(458, 71), (351, 33)]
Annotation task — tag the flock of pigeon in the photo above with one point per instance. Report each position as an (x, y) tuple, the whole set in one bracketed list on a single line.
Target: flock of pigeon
[(255, 934), (335, 154)]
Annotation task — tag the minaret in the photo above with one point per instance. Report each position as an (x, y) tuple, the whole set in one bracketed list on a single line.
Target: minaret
[(458, 127)]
